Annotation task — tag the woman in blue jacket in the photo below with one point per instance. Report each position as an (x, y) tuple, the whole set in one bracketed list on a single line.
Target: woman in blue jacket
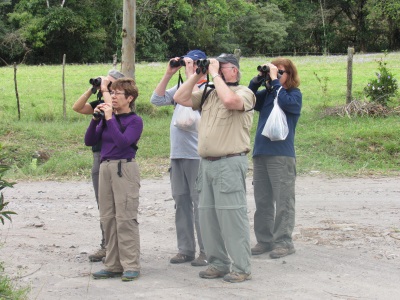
[(275, 161)]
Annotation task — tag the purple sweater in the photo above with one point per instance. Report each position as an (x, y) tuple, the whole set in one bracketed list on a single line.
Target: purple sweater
[(115, 144)]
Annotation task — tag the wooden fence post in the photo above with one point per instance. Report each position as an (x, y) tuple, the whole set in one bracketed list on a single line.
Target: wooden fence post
[(115, 61), (350, 52), (237, 53), (16, 91), (63, 89)]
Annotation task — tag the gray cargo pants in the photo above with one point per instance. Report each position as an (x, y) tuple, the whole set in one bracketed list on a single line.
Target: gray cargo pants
[(274, 193), (183, 175), (223, 213)]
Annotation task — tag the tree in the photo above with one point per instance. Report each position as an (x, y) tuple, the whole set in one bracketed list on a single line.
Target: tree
[(389, 11), (77, 29), (262, 30)]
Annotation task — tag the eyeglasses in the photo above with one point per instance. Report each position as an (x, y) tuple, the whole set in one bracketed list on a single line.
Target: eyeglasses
[(117, 93)]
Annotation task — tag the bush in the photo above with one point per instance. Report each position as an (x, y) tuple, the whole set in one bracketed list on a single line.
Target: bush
[(382, 88), (3, 184)]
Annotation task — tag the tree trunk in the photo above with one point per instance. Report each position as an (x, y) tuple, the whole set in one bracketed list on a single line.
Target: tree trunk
[(129, 38)]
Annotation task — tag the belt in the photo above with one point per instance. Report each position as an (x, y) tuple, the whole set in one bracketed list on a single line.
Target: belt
[(118, 160), (213, 158)]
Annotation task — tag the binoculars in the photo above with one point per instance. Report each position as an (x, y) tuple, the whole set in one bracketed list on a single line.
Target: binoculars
[(264, 69), (177, 63), (202, 66), (95, 81)]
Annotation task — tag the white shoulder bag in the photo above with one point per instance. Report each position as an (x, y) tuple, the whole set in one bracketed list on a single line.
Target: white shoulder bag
[(276, 127)]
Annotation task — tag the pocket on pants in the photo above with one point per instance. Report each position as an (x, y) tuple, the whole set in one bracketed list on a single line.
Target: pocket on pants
[(232, 177)]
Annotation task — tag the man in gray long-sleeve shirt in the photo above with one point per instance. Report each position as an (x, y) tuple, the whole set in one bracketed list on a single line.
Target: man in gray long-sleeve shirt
[(184, 165)]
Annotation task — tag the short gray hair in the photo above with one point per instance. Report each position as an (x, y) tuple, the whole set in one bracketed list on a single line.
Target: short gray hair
[(115, 74)]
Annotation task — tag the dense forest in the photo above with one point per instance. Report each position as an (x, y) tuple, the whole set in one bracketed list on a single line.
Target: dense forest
[(41, 31)]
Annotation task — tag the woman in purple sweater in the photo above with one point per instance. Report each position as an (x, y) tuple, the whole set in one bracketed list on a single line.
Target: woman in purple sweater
[(119, 129)]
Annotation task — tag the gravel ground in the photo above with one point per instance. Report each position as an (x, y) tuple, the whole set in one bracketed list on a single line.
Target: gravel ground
[(347, 238)]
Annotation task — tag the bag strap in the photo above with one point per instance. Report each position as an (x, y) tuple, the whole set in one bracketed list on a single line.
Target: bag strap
[(205, 92), (180, 79), (276, 97)]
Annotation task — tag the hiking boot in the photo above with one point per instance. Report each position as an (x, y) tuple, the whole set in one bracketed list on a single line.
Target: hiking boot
[(95, 257), (234, 277), (200, 261), (281, 252), (260, 248), (212, 273), (104, 274), (130, 275), (180, 258)]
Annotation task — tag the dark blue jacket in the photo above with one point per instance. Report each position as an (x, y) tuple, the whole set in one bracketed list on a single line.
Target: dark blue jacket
[(290, 102)]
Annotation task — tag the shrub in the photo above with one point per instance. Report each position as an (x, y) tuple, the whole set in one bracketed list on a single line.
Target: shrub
[(382, 88), (3, 184)]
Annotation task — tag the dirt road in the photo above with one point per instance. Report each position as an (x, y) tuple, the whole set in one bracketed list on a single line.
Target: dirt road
[(347, 238)]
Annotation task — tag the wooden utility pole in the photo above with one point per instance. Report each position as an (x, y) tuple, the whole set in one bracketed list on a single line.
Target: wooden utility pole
[(129, 38)]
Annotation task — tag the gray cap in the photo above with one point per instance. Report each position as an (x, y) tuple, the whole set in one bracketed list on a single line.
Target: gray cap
[(228, 58), (115, 74)]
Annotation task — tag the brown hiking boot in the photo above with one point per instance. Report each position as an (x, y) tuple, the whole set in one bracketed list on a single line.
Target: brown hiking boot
[(200, 261), (97, 256), (180, 258), (260, 248), (212, 273), (281, 252), (234, 277)]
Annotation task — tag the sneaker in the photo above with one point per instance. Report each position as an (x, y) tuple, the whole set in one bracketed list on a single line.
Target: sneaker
[(181, 258), (260, 248), (200, 261), (98, 255), (281, 252), (212, 273), (130, 275), (104, 274), (234, 277)]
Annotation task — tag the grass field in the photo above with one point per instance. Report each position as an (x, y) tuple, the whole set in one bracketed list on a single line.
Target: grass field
[(338, 146)]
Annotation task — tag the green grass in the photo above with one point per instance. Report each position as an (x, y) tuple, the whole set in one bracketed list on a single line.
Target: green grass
[(8, 290), (330, 145)]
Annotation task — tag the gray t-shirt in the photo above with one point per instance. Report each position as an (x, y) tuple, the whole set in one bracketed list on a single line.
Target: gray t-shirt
[(183, 143)]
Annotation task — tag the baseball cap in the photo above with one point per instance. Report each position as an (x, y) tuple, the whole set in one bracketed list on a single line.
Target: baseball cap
[(196, 55), (115, 74), (228, 58)]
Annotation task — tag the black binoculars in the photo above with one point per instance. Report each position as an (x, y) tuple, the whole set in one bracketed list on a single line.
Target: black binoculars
[(95, 81), (202, 66), (264, 69), (98, 114), (177, 63)]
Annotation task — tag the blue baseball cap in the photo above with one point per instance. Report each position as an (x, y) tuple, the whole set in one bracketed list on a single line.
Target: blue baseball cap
[(196, 55)]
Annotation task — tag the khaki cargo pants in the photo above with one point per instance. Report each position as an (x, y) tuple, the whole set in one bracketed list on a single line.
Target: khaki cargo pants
[(119, 185)]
